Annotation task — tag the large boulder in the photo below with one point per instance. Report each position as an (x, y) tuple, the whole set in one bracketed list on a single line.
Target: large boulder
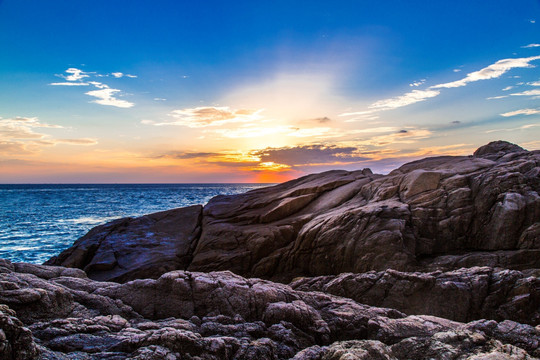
[(131, 248)]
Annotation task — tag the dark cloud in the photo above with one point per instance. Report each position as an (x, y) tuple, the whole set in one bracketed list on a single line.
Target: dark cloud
[(456, 122), (310, 154), (323, 120), (187, 155)]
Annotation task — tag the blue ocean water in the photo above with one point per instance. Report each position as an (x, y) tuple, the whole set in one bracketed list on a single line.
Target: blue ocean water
[(39, 221)]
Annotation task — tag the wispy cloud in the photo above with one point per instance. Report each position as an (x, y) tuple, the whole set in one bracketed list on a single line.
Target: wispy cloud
[(535, 92), (75, 74), (534, 83), (404, 100), (120, 75), (524, 127), (69, 84), (531, 46), (490, 72), (508, 88), (404, 136), (107, 97), (17, 136), (209, 116), (521, 112), (417, 83)]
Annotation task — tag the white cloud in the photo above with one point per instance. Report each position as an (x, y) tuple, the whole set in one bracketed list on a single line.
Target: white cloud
[(535, 92), (521, 112), (528, 126), (534, 83), (456, 70), (69, 84), (508, 88), (417, 83), (531, 46), (99, 85), (211, 116), (160, 99), (107, 97), (490, 72), (75, 74), (404, 100), (120, 75), (497, 97)]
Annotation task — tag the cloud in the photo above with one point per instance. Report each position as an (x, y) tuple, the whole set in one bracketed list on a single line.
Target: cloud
[(188, 155), (310, 155), (490, 72), (497, 97), (254, 131), (534, 83), (521, 112), (99, 85), (400, 137), (17, 136), (528, 126), (107, 97), (531, 46), (75, 74), (209, 116), (84, 142), (456, 70), (69, 84), (534, 92), (417, 83), (508, 88), (404, 100), (120, 75), (160, 99)]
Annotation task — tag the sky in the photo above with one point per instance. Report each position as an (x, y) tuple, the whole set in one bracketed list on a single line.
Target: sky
[(130, 91)]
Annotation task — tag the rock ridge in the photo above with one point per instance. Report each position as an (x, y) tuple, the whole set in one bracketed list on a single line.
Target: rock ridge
[(441, 213)]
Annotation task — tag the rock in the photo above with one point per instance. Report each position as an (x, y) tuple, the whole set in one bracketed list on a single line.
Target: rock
[(220, 315), (130, 248), (16, 341), (462, 295), (440, 213)]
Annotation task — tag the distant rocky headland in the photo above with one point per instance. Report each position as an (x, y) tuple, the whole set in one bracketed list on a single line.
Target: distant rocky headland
[(439, 259)]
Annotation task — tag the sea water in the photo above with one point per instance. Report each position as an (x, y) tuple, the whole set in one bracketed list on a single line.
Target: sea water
[(39, 221)]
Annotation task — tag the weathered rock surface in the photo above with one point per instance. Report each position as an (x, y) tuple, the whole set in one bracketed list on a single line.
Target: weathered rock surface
[(129, 248), (439, 213), (220, 315), (461, 295), (439, 259)]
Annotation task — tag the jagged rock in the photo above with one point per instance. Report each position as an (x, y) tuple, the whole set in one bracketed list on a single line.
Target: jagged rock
[(221, 315), (131, 248), (16, 342), (462, 295), (437, 213)]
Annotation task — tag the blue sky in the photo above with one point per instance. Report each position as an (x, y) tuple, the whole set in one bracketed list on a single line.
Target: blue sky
[(174, 91)]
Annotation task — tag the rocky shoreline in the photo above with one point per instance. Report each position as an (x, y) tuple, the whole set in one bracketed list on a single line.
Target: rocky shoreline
[(440, 259)]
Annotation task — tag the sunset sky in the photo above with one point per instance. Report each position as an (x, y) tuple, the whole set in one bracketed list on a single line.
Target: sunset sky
[(133, 91)]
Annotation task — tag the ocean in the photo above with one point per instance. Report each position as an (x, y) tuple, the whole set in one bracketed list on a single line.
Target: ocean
[(39, 221)]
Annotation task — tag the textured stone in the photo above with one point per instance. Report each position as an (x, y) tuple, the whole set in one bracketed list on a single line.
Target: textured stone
[(131, 248)]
